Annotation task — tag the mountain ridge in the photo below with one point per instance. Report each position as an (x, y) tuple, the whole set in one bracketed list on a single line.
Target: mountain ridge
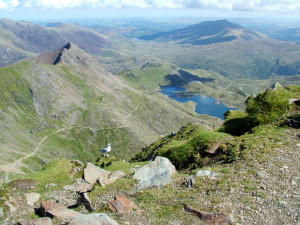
[(207, 32), (20, 39)]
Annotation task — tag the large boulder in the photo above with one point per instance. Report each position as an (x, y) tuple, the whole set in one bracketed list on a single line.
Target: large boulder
[(157, 173), (52, 209), (93, 219), (94, 173)]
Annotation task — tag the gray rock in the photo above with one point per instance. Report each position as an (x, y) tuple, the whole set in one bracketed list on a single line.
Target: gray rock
[(93, 173), (32, 198), (37, 221), (156, 173), (208, 173), (93, 219), (189, 182), (262, 174)]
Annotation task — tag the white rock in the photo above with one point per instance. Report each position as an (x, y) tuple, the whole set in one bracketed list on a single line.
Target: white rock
[(32, 198), (93, 219), (207, 173)]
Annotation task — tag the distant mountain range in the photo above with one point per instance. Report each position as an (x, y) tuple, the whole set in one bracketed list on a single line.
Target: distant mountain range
[(228, 49), (19, 40), (208, 32)]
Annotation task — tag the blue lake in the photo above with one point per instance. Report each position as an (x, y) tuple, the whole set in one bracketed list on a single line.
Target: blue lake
[(204, 105)]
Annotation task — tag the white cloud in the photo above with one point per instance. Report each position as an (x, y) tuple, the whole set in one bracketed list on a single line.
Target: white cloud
[(269, 5)]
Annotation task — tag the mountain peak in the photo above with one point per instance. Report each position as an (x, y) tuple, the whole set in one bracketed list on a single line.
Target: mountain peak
[(69, 54)]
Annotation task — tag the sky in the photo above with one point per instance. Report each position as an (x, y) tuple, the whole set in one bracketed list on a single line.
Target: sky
[(56, 9)]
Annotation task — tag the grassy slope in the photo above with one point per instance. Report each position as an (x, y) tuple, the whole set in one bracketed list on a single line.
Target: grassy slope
[(149, 77), (37, 100)]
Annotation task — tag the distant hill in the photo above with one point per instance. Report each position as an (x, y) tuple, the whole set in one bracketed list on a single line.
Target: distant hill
[(19, 40), (205, 33), (292, 34)]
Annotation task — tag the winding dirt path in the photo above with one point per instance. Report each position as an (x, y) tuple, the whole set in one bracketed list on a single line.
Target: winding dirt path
[(15, 167)]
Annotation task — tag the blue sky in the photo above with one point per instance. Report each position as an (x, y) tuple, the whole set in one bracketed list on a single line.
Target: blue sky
[(59, 9)]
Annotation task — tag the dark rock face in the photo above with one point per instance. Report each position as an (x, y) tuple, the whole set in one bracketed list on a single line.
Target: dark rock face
[(292, 121)]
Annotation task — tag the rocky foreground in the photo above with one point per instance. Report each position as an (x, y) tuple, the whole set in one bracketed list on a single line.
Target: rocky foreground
[(262, 187)]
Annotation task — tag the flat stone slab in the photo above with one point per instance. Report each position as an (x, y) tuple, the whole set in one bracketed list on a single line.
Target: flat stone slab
[(93, 219), (37, 221), (52, 209)]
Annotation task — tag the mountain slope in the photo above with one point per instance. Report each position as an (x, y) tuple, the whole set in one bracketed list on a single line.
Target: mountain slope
[(205, 33), (19, 40), (258, 184), (74, 108)]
